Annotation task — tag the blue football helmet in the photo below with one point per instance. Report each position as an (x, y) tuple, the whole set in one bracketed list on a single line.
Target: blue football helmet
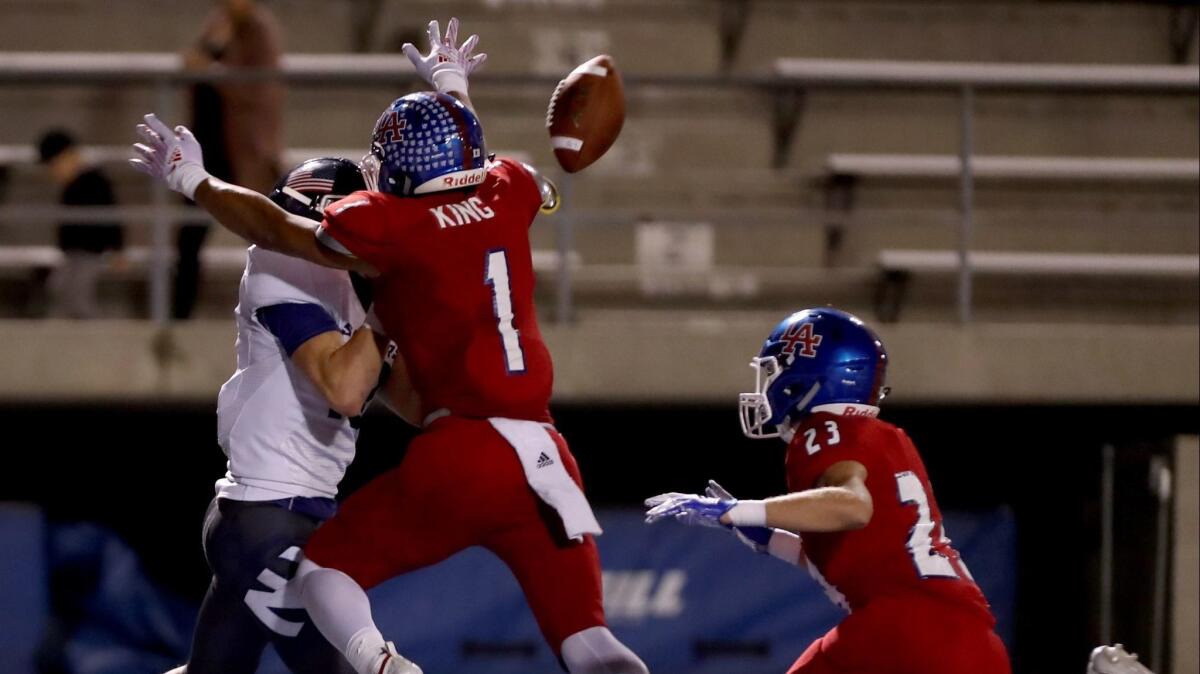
[(814, 357), (424, 143)]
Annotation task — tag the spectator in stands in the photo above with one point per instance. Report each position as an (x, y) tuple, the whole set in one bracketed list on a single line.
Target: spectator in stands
[(240, 124), (84, 244)]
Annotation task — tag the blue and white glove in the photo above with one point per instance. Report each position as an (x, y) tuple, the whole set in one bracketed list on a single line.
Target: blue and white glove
[(691, 509), (755, 538), (705, 510), (174, 156), (446, 66), (764, 540)]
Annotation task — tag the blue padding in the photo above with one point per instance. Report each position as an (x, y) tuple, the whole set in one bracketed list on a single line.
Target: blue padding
[(686, 599), (23, 588), (127, 624), (295, 323)]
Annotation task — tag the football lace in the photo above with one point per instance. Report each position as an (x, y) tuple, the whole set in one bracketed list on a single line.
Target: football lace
[(562, 84)]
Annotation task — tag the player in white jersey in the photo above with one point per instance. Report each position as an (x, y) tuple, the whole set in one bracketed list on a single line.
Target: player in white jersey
[(287, 420)]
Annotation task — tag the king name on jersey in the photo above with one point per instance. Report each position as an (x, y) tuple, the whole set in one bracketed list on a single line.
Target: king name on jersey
[(462, 212)]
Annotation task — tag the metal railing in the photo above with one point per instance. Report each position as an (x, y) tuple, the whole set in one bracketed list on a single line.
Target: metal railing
[(968, 78), (786, 85)]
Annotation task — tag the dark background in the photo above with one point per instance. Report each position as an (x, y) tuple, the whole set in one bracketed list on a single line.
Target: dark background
[(147, 471)]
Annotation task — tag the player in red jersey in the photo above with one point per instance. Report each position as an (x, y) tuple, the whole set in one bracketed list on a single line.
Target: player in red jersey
[(443, 231), (860, 513)]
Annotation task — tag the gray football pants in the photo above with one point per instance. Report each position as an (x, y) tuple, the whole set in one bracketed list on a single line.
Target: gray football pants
[(251, 548)]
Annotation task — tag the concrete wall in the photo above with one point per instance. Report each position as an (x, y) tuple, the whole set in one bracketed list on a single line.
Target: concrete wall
[(660, 356)]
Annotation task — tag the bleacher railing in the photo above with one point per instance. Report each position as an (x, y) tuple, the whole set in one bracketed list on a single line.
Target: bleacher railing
[(789, 78), (969, 78)]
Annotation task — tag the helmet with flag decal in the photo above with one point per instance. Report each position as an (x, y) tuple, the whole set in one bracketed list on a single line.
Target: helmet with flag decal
[(314, 184), (814, 357), (424, 143)]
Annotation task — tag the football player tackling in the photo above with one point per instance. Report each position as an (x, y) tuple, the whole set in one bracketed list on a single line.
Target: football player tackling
[(443, 230), (861, 501)]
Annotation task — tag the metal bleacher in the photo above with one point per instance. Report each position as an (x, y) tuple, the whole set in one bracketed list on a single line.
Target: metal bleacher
[(820, 175)]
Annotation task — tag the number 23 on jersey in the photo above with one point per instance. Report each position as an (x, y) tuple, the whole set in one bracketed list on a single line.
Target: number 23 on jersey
[(929, 562)]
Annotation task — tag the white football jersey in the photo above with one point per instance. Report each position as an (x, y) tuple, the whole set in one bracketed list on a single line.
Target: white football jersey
[(280, 435)]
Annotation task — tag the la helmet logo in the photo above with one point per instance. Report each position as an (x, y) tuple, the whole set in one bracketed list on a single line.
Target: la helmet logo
[(388, 129), (801, 333)]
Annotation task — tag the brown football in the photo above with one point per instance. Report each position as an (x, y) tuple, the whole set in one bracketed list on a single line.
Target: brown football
[(586, 113)]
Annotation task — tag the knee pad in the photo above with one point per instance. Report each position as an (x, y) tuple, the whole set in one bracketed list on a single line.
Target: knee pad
[(596, 651)]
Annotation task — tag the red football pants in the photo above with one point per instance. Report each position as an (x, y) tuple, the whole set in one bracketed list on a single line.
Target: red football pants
[(460, 485), (907, 634)]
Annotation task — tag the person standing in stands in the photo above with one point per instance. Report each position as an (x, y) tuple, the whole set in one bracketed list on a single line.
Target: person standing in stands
[(84, 244), (242, 122)]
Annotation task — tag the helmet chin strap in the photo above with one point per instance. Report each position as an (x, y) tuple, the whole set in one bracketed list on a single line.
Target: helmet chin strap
[(787, 430)]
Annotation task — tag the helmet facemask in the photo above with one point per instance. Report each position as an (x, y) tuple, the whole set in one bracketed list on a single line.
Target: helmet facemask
[(754, 408), (370, 167)]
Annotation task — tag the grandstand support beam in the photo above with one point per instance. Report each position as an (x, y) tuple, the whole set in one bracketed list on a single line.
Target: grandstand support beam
[(1160, 486), (1108, 472), (1185, 555), (734, 15), (789, 107), (565, 235), (966, 203), (160, 255)]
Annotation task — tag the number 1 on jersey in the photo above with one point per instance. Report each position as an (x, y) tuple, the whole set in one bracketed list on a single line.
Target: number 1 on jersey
[(497, 278)]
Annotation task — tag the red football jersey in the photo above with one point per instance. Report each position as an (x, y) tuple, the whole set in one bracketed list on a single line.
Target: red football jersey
[(456, 290), (904, 547)]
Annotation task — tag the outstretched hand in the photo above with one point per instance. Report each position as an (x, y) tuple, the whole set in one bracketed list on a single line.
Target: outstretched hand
[(691, 509), (446, 66), (173, 156), (755, 538)]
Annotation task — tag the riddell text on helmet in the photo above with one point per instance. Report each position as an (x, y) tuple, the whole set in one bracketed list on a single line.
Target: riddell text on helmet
[(456, 180)]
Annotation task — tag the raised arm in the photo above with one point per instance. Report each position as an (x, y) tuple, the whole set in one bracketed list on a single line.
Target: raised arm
[(257, 219), (175, 157), (446, 67)]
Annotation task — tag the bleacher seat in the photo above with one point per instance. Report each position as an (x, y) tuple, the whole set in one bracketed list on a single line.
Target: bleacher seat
[(898, 266)]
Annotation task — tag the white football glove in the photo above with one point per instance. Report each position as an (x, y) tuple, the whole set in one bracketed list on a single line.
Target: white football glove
[(446, 66), (174, 157)]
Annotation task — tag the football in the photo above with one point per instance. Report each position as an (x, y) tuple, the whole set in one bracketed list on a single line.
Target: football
[(586, 113)]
